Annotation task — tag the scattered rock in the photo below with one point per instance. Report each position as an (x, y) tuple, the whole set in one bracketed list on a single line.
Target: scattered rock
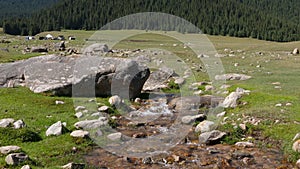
[(209, 87), (59, 102), (79, 108), (288, 104), (278, 105), (16, 158), (79, 133), (204, 126), (158, 79), (95, 49), (295, 51), (179, 80), (191, 119), (103, 108), (26, 167), (211, 137), (147, 160), (298, 164), (115, 136), (79, 115), (19, 124), (232, 98), (232, 76), (222, 114), (297, 136), (6, 122), (9, 149), (241, 155), (55, 129), (73, 166), (114, 100), (38, 49), (244, 144), (91, 124), (296, 146), (243, 126)]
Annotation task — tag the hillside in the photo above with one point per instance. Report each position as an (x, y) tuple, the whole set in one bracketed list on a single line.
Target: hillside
[(22, 8), (276, 20)]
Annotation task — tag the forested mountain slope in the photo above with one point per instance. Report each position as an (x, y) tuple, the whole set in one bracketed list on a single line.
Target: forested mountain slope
[(277, 20), (21, 8)]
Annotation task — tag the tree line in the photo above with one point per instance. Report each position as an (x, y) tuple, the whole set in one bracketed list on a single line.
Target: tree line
[(274, 20)]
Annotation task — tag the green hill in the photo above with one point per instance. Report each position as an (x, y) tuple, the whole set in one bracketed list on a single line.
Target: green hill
[(275, 20)]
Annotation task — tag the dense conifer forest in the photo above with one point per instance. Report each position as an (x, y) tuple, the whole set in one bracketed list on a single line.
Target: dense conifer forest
[(274, 20)]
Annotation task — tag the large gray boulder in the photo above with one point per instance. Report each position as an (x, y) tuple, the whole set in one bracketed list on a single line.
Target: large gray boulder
[(77, 75)]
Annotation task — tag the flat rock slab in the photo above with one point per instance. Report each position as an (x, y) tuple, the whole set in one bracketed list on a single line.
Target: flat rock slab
[(73, 75), (9, 149)]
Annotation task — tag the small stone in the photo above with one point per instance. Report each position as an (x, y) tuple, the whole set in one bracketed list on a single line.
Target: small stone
[(190, 119), (241, 155), (6, 122), (176, 158), (221, 114), (79, 133), (26, 167), (114, 100), (297, 136), (19, 124), (295, 51), (115, 136), (73, 166), (209, 88), (91, 124), (79, 115), (137, 100), (179, 80), (298, 164), (198, 92), (296, 146), (204, 126), (278, 105), (211, 137), (9, 149), (244, 144), (78, 108), (243, 126), (103, 108), (59, 102), (288, 104), (147, 160), (236, 64), (55, 129), (16, 158)]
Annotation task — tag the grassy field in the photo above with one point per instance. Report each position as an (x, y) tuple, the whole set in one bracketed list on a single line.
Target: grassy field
[(266, 62)]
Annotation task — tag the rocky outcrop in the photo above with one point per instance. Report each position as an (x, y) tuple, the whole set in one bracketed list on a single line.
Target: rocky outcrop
[(80, 76)]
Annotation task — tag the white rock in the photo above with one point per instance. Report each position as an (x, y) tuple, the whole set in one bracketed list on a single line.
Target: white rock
[(179, 80), (9, 149), (231, 100), (15, 158), (79, 133), (73, 166), (114, 100), (79, 114), (6, 122), (26, 167), (59, 102), (91, 124), (288, 104), (296, 146), (278, 105), (55, 129), (297, 136), (198, 92), (244, 144), (19, 124), (295, 51), (209, 88), (79, 108), (298, 164), (190, 119), (103, 108), (221, 114), (243, 126), (137, 100), (115, 136), (205, 126)]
